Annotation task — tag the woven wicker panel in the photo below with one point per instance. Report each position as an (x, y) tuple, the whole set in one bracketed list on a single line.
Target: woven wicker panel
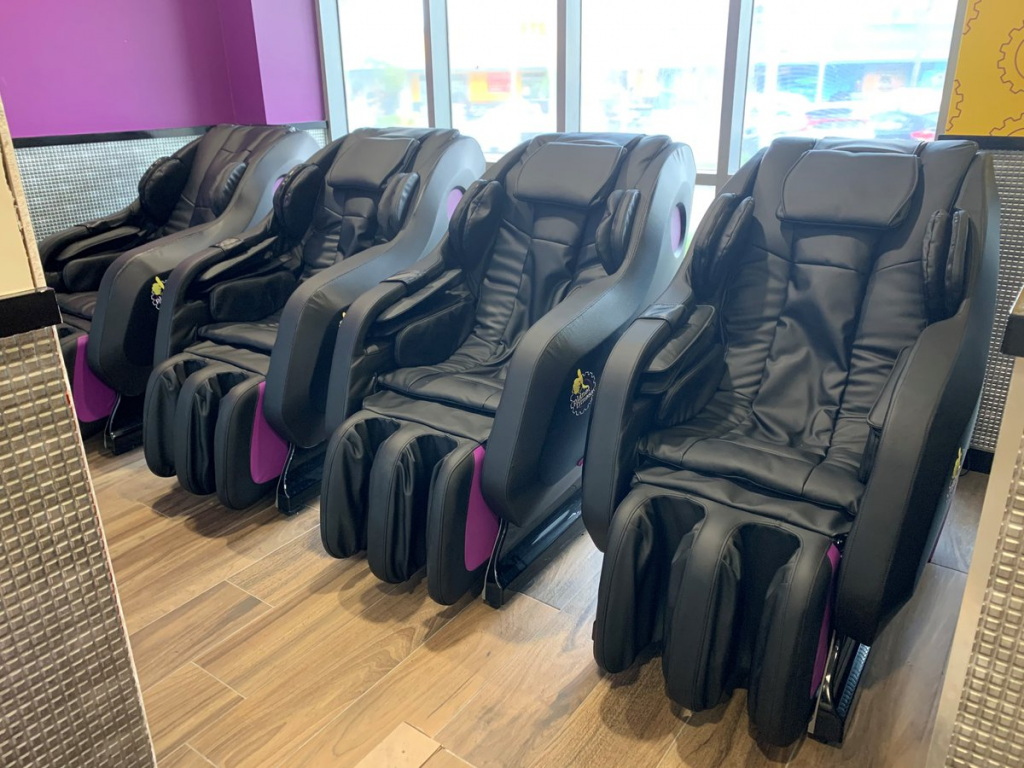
[(68, 693), (1009, 167), (71, 183)]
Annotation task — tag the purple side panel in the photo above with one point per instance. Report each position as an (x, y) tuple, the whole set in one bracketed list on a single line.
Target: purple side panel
[(676, 228), (453, 201), (826, 624), (481, 522), (268, 450), (94, 400)]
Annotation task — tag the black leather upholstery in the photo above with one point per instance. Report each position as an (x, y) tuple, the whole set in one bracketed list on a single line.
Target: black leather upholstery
[(491, 343), (268, 303), (211, 188), (750, 411)]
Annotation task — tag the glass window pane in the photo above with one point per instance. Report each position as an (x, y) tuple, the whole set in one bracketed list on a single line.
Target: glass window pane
[(384, 60), (502, 57), (641, 73), (870, 69)]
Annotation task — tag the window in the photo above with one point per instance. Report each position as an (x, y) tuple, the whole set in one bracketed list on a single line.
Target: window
[(385, 84), (873, 70), (656, 69), (502, 61)]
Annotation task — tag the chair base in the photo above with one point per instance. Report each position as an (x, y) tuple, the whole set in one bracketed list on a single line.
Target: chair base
[(838, 694), (531, 553), (123, 430), (300, 480)]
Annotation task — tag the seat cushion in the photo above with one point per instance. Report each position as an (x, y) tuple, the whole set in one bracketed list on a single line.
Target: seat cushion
[(81, 304), (478, 388), (259, 335)]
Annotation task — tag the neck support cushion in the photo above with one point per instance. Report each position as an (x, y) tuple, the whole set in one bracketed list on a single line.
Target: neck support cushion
[(367, 162), (850, 189), (574, 174)]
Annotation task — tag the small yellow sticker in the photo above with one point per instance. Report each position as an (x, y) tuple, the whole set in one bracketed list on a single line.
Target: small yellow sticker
[(958, 462), (158, 287)]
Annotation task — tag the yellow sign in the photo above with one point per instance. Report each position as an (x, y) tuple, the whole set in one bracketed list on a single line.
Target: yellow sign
[(988, 87)]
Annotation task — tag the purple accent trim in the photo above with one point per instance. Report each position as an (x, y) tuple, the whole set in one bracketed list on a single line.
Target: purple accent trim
[(453, 201), (268, 450), (94, 400), (676, 228), (826, 624), (481, 522)]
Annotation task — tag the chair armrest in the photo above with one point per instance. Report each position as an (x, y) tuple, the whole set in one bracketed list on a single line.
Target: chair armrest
[(52, 248), (577, 334), (618, 421), (176, 324), (692, 333), (420, 294), (880, 411), (295, 399)]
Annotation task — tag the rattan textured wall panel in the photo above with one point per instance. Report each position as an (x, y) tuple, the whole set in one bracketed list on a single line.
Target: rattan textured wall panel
[(1009, 166), (66, 184), (68, 694)]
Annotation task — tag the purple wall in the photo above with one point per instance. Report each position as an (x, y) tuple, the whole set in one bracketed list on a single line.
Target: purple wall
[(95, 66), (289, 61)]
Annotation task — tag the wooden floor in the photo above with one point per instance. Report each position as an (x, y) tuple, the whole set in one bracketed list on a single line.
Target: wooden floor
[(255, 648)]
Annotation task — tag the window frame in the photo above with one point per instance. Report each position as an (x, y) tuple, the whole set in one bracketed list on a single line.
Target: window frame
[(568, 73)]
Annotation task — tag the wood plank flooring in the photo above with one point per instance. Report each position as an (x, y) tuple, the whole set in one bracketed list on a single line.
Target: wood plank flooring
[(254, 648)]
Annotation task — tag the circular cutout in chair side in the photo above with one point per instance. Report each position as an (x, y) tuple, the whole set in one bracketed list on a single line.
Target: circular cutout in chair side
[(584, 387)]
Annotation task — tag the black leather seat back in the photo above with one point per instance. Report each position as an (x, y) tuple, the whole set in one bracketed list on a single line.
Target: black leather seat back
[(217, 164), (825, 289), (356, 174), (545, 244)]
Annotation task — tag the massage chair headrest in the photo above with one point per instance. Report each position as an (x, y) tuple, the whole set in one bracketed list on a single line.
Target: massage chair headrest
[(870, 190), (368, 162), (576, 174)]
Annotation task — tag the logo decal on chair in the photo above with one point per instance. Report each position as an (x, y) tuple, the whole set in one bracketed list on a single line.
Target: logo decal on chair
[(583, 388), (156, 292)]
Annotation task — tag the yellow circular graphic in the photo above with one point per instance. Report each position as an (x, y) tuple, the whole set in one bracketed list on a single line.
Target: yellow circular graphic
[(1011, 62), (584, 386)]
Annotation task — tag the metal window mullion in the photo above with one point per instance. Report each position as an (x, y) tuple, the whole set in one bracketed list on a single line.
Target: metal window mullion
[(332, 72), (568, 65), (435, 45), (734, 88)]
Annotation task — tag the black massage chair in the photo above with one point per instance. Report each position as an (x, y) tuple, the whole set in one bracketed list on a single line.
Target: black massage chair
[(108, 273), (247, 327), (776, 441), (475, 369)]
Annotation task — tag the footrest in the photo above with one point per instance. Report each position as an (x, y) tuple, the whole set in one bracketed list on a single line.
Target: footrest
[(736, 599)]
